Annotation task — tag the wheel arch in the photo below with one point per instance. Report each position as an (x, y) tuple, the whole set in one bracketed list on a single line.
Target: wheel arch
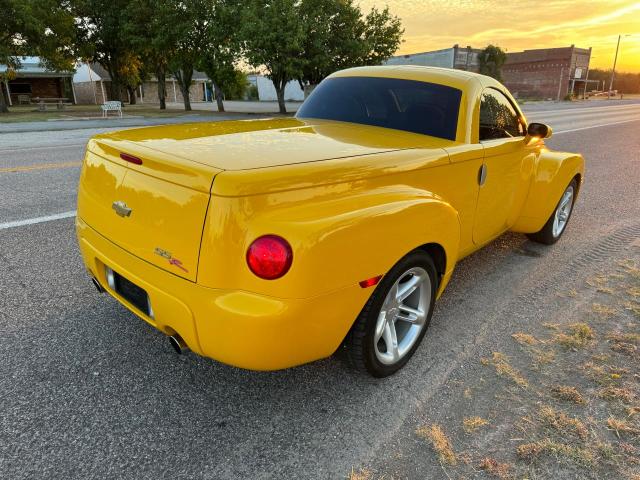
[(438, 255)]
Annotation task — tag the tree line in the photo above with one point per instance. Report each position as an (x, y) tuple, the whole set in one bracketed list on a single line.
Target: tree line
[(622, 82), (134, 40)]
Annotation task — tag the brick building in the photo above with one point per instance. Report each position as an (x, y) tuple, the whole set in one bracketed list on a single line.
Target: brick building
[(34, 82), (92, 82), (550, 73)]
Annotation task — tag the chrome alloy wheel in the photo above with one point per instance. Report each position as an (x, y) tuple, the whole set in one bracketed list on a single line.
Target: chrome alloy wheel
[(563, 211), (403, 315)]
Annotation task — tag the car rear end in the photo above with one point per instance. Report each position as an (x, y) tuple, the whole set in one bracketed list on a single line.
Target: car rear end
[(144, 219), (152, 207)]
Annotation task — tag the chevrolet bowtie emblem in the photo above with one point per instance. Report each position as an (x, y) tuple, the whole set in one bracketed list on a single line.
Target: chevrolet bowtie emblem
[(121, 208)]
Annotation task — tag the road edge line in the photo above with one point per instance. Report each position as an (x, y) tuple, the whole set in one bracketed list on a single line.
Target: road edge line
[(36, 220)]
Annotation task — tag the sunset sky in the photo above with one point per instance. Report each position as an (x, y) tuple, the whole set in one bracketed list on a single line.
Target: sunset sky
[(515, 26)]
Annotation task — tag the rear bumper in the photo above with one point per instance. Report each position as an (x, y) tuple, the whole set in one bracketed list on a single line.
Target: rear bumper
[(239, 328)]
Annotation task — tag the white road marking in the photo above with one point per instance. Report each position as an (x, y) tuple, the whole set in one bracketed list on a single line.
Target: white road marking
[(21, 149), (32, 221), (630, 106), (596, 126)]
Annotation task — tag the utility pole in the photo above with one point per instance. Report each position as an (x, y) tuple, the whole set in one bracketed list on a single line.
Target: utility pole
[(613, 72), (560, 83)]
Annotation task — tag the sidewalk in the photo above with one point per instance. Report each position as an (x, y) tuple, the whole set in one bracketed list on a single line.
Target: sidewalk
[(239, 106), (113, 122)]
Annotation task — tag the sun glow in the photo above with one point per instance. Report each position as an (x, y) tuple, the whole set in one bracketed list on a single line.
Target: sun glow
[(435, 24)]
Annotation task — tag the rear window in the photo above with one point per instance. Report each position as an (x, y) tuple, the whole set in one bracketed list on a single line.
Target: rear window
[(417, 107)]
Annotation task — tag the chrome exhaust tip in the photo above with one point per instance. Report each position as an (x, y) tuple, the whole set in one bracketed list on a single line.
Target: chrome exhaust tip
[(96, 284), (178, 344)]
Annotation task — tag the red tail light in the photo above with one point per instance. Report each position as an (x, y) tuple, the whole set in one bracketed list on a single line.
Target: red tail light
[(269, 257)]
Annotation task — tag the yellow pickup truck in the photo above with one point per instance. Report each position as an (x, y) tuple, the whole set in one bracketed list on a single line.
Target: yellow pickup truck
[(270, 243)]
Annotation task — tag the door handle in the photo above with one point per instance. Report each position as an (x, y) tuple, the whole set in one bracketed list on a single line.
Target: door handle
[(482, 174)]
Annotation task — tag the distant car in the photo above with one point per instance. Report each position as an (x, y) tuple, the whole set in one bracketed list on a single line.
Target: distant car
[(270, 243)]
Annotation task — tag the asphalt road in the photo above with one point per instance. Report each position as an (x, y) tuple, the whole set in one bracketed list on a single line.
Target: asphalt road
[(89, 391)]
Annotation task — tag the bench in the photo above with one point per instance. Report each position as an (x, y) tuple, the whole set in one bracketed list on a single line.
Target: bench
[(24, 99), (111, 106)]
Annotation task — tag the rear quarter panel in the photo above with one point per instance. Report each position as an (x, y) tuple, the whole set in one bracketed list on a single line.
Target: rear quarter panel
[(345, 222)]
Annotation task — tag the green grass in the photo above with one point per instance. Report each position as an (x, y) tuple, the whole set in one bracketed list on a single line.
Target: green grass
[(30, 113)]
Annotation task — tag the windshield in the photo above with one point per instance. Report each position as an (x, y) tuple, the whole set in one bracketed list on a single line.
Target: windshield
[(412, 106)]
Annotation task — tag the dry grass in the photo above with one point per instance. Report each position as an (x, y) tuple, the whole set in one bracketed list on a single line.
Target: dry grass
[(632, 307), (604, 375), (631, 411), (619, 426), (603, 310), (362, 474), (616, 393), (580, 335), (568, 394), (598, 281), (562, 422), (525, 339), (626, 348), (439, 442), (624, 337), (504, 368), (630, 268), (634, 291), (551, 326), (471, 424), (495, 468), (542, 357), (530, 451)]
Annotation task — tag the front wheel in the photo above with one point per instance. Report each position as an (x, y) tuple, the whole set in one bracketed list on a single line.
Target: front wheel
[(557, 222), (392, 323)]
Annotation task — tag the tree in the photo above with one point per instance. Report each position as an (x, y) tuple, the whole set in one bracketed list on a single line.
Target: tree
[(222, 50), (623, 82), (106, 40), (155, 42), (338, 36), (332, 38), (382, 36), (490, 61), (274, 35), (43, 28), (132, 74), (188, 26)]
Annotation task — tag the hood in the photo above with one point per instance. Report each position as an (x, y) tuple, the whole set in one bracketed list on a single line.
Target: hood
[(253, 144)]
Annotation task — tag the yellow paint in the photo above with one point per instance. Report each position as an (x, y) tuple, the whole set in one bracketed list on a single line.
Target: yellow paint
[(43, 166), (351, 200)]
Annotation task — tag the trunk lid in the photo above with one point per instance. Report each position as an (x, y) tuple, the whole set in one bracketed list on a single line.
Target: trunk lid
[(253, 144), (155, 210)]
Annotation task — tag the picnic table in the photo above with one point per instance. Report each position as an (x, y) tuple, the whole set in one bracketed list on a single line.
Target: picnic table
[(44, 101)]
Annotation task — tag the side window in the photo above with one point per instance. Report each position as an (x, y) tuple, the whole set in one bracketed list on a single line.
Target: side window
[(498, 118)]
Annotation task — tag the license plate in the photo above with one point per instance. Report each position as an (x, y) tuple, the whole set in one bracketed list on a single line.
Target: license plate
[(131, 292)]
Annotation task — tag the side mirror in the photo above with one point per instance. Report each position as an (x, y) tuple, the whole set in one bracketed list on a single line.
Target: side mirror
[(539, 130)]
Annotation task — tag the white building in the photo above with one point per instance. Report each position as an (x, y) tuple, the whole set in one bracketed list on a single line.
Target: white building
[(267, 92), (461, 58)]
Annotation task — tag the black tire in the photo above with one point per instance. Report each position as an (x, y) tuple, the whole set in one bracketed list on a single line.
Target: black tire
[(360, 340), (545, 235)]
